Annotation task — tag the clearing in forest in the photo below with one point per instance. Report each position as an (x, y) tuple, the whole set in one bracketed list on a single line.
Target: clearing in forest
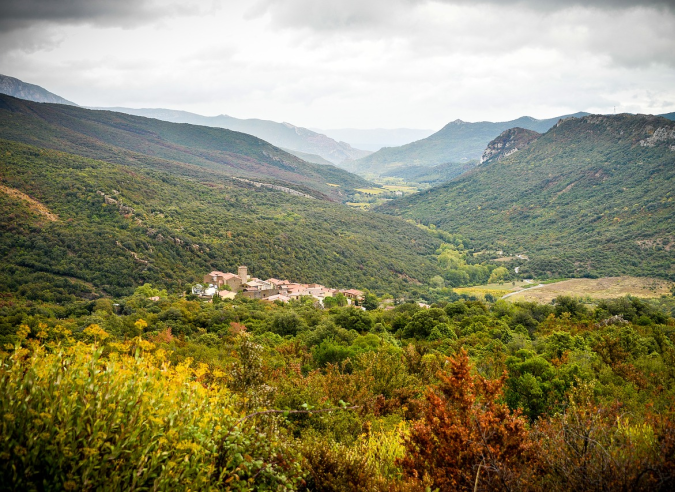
[(32, 204)]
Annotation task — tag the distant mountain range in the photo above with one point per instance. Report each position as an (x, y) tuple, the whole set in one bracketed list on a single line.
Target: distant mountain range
[(593, 196), (457, 142), (206, 153), (376, 138), (31, 92), (283, 135)]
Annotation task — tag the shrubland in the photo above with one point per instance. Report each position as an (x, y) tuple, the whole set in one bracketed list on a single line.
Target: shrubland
[(242, 394)]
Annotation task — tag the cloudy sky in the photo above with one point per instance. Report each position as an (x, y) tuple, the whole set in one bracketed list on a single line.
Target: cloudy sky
[(349, 63)]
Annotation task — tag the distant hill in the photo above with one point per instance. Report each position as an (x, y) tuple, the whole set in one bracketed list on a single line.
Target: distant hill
[(670, 116), (201, 152), (316, 159), (375, 139), (74, 226), (457, 142), (31, 92), (282, 135), (593, 196)]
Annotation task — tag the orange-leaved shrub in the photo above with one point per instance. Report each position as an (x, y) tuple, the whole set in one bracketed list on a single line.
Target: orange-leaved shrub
[(467, 439)]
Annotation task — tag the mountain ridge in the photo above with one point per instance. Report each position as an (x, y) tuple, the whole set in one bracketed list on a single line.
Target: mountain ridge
[(285, 135), (202, 152), (31, 92), (508, 143), (457, 142)]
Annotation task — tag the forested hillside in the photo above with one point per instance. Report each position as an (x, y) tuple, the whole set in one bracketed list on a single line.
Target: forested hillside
[(84, 227), (593, 196), (181, 149)]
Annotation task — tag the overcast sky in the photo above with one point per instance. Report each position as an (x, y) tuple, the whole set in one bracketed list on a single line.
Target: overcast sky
[(349, 63)]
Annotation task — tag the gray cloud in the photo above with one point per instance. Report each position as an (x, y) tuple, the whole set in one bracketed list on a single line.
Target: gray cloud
[(365, 63), (16, 14), (331, 15), (555, 5), (628, 33)]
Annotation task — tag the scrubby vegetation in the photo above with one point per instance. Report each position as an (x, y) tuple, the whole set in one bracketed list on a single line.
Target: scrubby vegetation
[(255, 395)]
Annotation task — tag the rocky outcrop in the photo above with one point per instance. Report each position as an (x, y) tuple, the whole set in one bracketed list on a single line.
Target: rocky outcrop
[(509, 142), (660, 135)]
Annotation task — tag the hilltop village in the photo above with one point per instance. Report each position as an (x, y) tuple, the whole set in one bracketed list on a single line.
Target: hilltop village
[(228, 285)]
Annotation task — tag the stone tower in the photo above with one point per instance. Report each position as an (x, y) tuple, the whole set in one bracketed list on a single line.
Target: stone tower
[(243, 274)]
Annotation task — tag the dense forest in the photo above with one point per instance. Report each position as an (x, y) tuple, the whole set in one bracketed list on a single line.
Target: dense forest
[(238, 395), (591, 197)]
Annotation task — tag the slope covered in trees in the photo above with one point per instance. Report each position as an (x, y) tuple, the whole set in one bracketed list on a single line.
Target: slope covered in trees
[(593, 196), (78, 226), (182, 149)]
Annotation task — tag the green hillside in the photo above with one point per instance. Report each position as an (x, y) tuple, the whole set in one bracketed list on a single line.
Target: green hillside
[(183, 149), (457, 142), (593, 196), (167, 230)]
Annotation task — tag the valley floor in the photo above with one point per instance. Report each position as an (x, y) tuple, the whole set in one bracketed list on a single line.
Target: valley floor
[(600, 288)]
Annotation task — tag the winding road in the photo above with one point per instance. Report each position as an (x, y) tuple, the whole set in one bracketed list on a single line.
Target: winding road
[(521, 290)]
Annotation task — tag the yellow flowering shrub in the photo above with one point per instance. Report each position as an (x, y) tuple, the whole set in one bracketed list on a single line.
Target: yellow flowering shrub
[(74, 419), (382, 449)]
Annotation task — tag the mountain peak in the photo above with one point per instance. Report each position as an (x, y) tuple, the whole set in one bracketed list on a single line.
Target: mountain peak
[(31, 92)]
